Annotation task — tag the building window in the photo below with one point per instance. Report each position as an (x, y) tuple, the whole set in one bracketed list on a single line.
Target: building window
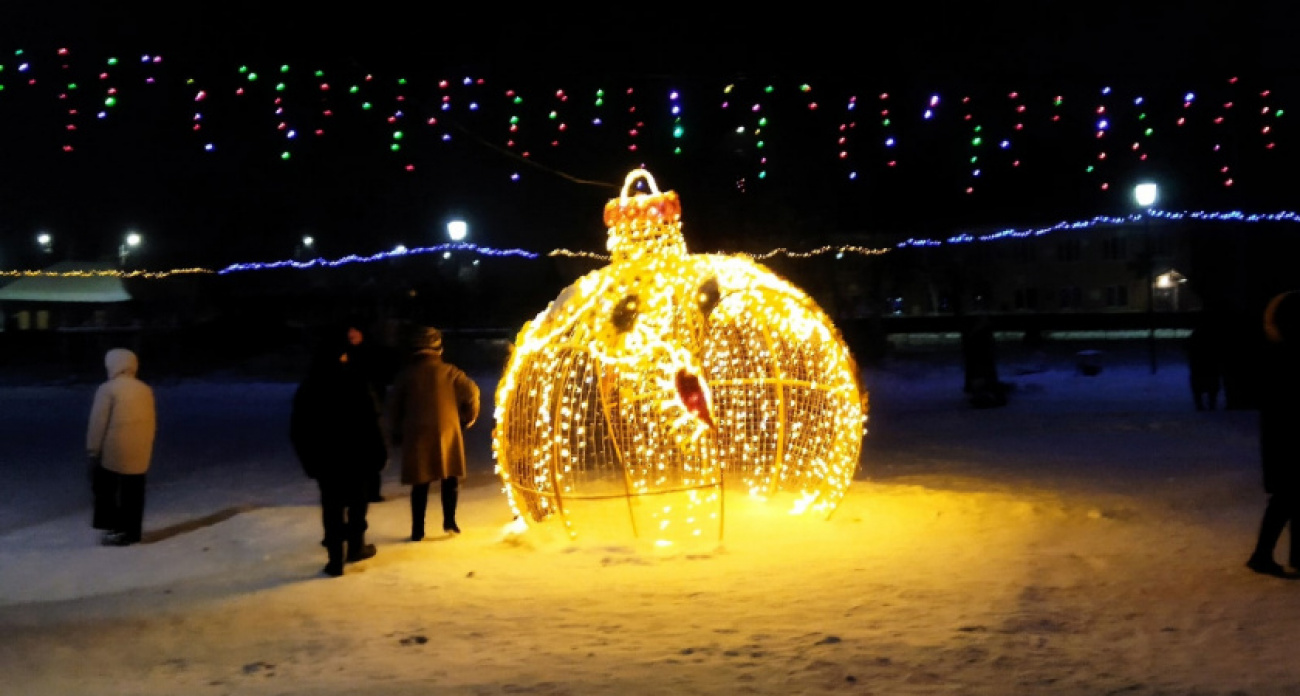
[(1071, 298), (1114, 249), (1068, 250), (1024, 251), (1117, 296), (1026, 298)]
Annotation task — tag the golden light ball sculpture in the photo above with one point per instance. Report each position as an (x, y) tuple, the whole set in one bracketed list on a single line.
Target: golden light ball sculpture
[(654, 383)]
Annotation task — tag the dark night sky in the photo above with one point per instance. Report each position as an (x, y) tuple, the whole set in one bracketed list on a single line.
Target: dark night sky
[(1145, 42)]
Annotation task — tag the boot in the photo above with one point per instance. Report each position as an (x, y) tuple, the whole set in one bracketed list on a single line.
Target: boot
[(359, 550), (449, 496), (335, 566), (419, 503)]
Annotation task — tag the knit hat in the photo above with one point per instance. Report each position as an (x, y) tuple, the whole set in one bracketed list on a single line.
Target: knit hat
[(426, 338)]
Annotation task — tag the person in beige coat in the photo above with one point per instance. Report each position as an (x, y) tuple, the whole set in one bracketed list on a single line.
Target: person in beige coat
[(429, 403), (119, 442)]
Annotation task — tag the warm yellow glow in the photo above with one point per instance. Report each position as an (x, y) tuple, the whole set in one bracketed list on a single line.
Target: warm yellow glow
[(650, 383)]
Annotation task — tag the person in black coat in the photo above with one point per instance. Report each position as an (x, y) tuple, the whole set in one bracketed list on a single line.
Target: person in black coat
[(368, 361), (335, 430), (1205, 363), (1279, 438)]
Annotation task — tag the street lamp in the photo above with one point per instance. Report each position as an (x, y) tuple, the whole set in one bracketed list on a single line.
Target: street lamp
[(131, 242), (1145, 195), (46, 241), (457, 230)]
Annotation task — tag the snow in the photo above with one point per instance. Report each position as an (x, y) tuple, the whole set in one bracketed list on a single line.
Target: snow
[(1087, 538)]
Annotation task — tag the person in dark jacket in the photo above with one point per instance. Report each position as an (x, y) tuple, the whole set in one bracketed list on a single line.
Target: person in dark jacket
[(336, 433), (362, 356), (428, 405), (1279, 436), (1205, 363)]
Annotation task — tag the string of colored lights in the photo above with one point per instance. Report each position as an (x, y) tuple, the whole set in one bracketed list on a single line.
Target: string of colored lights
[(838, 250), (305, 102)]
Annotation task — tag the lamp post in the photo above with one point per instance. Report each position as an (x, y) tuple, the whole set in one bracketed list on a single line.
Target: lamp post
[(457, 230), (1145, 195), (129, 243), (46, 242)]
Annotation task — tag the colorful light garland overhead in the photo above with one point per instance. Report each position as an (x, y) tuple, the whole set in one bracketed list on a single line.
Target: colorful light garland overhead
[(1242, 133)]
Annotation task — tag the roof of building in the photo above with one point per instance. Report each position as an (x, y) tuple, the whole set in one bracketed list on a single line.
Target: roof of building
[(69, 281)]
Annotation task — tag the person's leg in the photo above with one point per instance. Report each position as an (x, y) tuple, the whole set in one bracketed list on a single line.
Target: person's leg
[(1275, 518), (358, 506), (1293, 529), (331, 511), (449, 499), (103, 486), (419, 503), (131, 522)]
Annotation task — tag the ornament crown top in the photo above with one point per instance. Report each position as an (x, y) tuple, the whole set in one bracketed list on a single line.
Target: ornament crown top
[(644, 223)]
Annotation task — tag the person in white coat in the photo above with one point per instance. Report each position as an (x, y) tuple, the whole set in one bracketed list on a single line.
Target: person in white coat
[(119, 442)]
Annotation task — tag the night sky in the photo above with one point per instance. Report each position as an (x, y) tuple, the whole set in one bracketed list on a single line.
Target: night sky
[(141, 169)]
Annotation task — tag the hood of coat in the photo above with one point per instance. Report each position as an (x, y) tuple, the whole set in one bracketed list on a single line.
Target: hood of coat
[(1282, 318), (120, 361)]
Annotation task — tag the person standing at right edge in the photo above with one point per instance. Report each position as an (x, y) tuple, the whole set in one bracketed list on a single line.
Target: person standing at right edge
[(1279, 433), (429, 403)]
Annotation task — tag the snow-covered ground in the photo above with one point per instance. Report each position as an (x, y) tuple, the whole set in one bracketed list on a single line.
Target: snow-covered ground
[(1088, 538)]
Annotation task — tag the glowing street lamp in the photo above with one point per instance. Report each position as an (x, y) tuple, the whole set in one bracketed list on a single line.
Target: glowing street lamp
[(129, 244), (1145, 195), (457, 230), (46, 241), (305, 247)]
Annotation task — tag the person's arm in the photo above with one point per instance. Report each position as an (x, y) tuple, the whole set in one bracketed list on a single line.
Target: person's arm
[(100, 411), (467, 396)]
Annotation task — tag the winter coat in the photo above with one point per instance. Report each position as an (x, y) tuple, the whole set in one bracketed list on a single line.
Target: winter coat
[(122, 417), (428, 403), (335, 424), (1279, 408)]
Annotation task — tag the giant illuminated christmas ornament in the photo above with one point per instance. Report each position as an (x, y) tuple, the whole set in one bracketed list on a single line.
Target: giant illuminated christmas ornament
[(651, 385)]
